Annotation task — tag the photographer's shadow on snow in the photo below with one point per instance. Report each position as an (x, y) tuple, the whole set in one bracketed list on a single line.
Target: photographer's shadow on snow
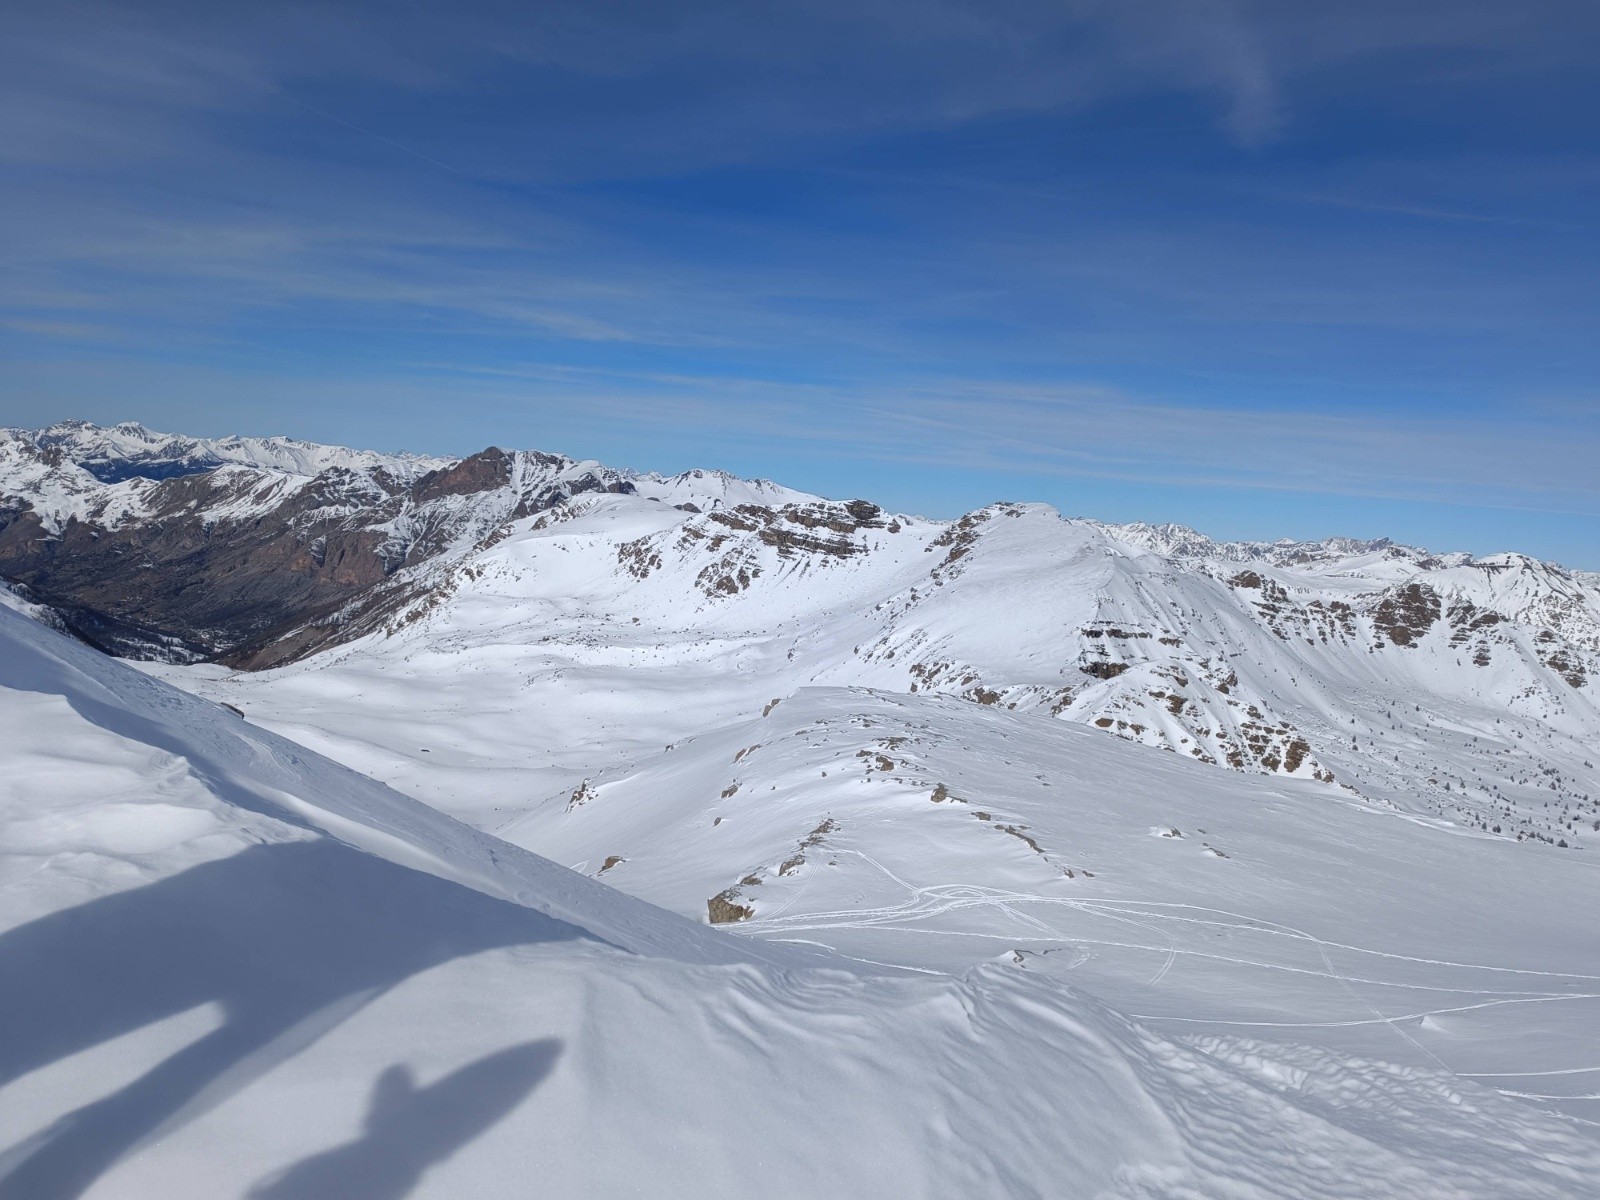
[(289, 939), (410, 1128)]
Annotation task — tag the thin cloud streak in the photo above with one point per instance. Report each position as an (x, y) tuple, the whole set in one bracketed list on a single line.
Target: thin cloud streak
[(1029, 431), (1168, 242)]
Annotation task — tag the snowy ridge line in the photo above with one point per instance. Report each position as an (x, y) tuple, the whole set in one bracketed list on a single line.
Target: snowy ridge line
[(584, 678), (696, 1080), (262, 771), (130, 450), (114, 454)]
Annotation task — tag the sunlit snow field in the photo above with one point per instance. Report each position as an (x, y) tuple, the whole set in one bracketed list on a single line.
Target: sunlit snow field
[(1007, 932)]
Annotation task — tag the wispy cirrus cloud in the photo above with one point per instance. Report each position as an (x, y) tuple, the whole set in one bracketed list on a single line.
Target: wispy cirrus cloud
[(1237, 245)]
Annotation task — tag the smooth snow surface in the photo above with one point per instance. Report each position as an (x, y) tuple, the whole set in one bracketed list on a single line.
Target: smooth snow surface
[(233, 968)]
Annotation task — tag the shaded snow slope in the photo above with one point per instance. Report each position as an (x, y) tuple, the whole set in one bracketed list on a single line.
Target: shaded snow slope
[(235, 969)]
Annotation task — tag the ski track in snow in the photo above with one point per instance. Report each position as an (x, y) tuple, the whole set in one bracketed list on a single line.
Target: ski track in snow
[(933, 901)]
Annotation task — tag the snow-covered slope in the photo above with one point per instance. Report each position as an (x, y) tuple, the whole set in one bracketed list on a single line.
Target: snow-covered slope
[(235, 969), (704, 490), (935, 833), (596, 632), (496, 629)]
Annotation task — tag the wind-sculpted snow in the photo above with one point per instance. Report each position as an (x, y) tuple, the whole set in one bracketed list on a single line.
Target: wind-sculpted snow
[(940, 834), (234, 969)]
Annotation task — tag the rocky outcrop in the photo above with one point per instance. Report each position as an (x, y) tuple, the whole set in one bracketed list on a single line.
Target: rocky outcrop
[(1404, 614), (484, 471)]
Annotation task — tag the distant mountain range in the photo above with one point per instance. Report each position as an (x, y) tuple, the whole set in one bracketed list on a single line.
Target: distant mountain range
[(255, 551), (1340, 660)]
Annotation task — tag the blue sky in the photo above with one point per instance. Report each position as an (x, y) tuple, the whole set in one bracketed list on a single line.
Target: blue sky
[(1272, 269)]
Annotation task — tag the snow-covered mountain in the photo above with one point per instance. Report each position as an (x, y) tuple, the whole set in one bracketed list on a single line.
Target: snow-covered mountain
[(532, 586), (1149, 866), (235, 969), (256, 550)]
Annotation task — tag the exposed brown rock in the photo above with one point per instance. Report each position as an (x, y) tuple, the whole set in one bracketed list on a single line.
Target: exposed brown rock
[(255, 591), (721, 909), (487, 469), (1101, 669), (1406, 613)]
